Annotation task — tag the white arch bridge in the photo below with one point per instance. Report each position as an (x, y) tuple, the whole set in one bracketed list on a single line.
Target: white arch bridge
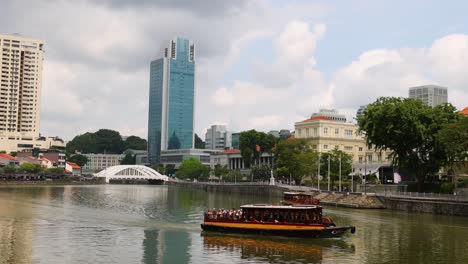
[(131, 172)]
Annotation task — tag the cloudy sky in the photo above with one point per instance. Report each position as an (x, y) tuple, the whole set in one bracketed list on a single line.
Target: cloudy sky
[(260, 64)]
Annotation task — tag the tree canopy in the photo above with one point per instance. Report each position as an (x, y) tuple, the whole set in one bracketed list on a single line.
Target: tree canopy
[(335, 156), (104, 141), (136, 143), (199, 143), (129, 159), (253, 143), (79, 159), (295, 158), (453, 138), (193, 169), (409, 128)]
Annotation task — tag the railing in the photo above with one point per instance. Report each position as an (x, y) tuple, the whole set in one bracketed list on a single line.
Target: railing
[(424, 195)]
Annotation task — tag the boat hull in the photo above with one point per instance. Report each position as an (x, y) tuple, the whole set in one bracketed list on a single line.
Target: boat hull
[(278, 230)]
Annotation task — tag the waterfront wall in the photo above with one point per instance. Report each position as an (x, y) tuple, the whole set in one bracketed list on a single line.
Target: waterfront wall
[(259, 189), (427, 205)]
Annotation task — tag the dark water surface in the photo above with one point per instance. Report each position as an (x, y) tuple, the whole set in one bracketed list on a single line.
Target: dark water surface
[(161, 224)]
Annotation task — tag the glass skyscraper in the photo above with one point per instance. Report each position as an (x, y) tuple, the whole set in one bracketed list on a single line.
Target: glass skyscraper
[(171, 100)]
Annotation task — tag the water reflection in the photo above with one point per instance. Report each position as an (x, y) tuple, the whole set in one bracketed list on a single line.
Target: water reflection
[(166, 246), (270, 249)]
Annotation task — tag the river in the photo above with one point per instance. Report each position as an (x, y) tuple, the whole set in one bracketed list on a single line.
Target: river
[(161, 224)]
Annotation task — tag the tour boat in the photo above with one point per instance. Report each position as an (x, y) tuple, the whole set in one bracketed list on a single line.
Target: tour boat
[(299, 198), (283, 220)]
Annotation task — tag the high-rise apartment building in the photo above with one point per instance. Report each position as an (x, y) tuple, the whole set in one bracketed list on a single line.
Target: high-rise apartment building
[(20, 85), (431, 95), (217, 138), (171, 100)]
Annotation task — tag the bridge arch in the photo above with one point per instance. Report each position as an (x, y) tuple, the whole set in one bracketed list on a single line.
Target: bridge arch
[(131, 172)]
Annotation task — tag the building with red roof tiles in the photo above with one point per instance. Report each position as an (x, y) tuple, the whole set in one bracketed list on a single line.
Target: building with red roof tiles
[(6, 159), (464, 111), (72, 168)]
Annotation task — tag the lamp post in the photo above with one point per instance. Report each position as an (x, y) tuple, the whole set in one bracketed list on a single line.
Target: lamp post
[(352, 177), (365, 172), (328, 172), (318, 173), (339, 174)]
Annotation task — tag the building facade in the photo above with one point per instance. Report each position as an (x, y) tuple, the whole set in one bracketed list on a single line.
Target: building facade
[(431, 95), (21, 61), (325, 134), (233, 160), (99, 162), (217, 138), (177, 156), (171, 100)]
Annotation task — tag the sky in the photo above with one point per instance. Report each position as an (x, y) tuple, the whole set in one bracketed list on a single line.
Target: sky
[(260, 65)]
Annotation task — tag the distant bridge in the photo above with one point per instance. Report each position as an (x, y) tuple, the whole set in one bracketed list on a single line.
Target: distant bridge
[(131, 172)]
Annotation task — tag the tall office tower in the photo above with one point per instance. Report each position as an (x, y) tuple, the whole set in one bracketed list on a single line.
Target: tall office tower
[(431, 95), (171, 100), (20, 86), (217, 138)]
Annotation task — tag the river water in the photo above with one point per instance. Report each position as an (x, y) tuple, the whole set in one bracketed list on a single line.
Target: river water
[(161, 224)]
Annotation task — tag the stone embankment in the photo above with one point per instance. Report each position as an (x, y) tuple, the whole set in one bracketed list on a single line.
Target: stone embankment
[(260, 189), (432, 205), (350, 200)]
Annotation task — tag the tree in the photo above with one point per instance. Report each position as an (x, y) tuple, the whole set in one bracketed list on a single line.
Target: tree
[(54, 170), (30, 168), (252, 144), (453, 138), (220, 170), (346, 164), (261, 173), (409, 128), (79, 159), (9, 168), (102, 141), (295, 158), (134, 142), (129, 159), (192, 169), (199, 143)]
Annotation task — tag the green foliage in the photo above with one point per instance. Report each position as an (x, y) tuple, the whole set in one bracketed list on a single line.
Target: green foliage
[(295, 158), (136, 143), (261, 173), (199, 143), (129, 159), (220, 171), (193, 169), (447, 187), (13, 154), (409, 128), (102, 141), (233, 176), (79, 159), (170, 169), (159, 168), (252, 144), (453, 138), (30, 168), (54, 170), (9, 168), (346, 164)]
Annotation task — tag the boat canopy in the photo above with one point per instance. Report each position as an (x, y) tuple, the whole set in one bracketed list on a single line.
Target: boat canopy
[(279, 207)]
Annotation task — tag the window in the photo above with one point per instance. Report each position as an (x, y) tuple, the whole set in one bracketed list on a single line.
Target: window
[(348, 133), (337, 147), (307, 132), (325, 130), (299, 132), (360, 148), (325, 146), (348, 148), (369, 158), (379, 157), (360, 159), (315, 132), (337, 131)]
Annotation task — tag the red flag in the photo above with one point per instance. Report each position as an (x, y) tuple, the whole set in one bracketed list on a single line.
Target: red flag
[(257, 148)]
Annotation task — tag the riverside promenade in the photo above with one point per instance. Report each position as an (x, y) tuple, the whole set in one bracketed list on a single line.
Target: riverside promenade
[(402, 201)]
